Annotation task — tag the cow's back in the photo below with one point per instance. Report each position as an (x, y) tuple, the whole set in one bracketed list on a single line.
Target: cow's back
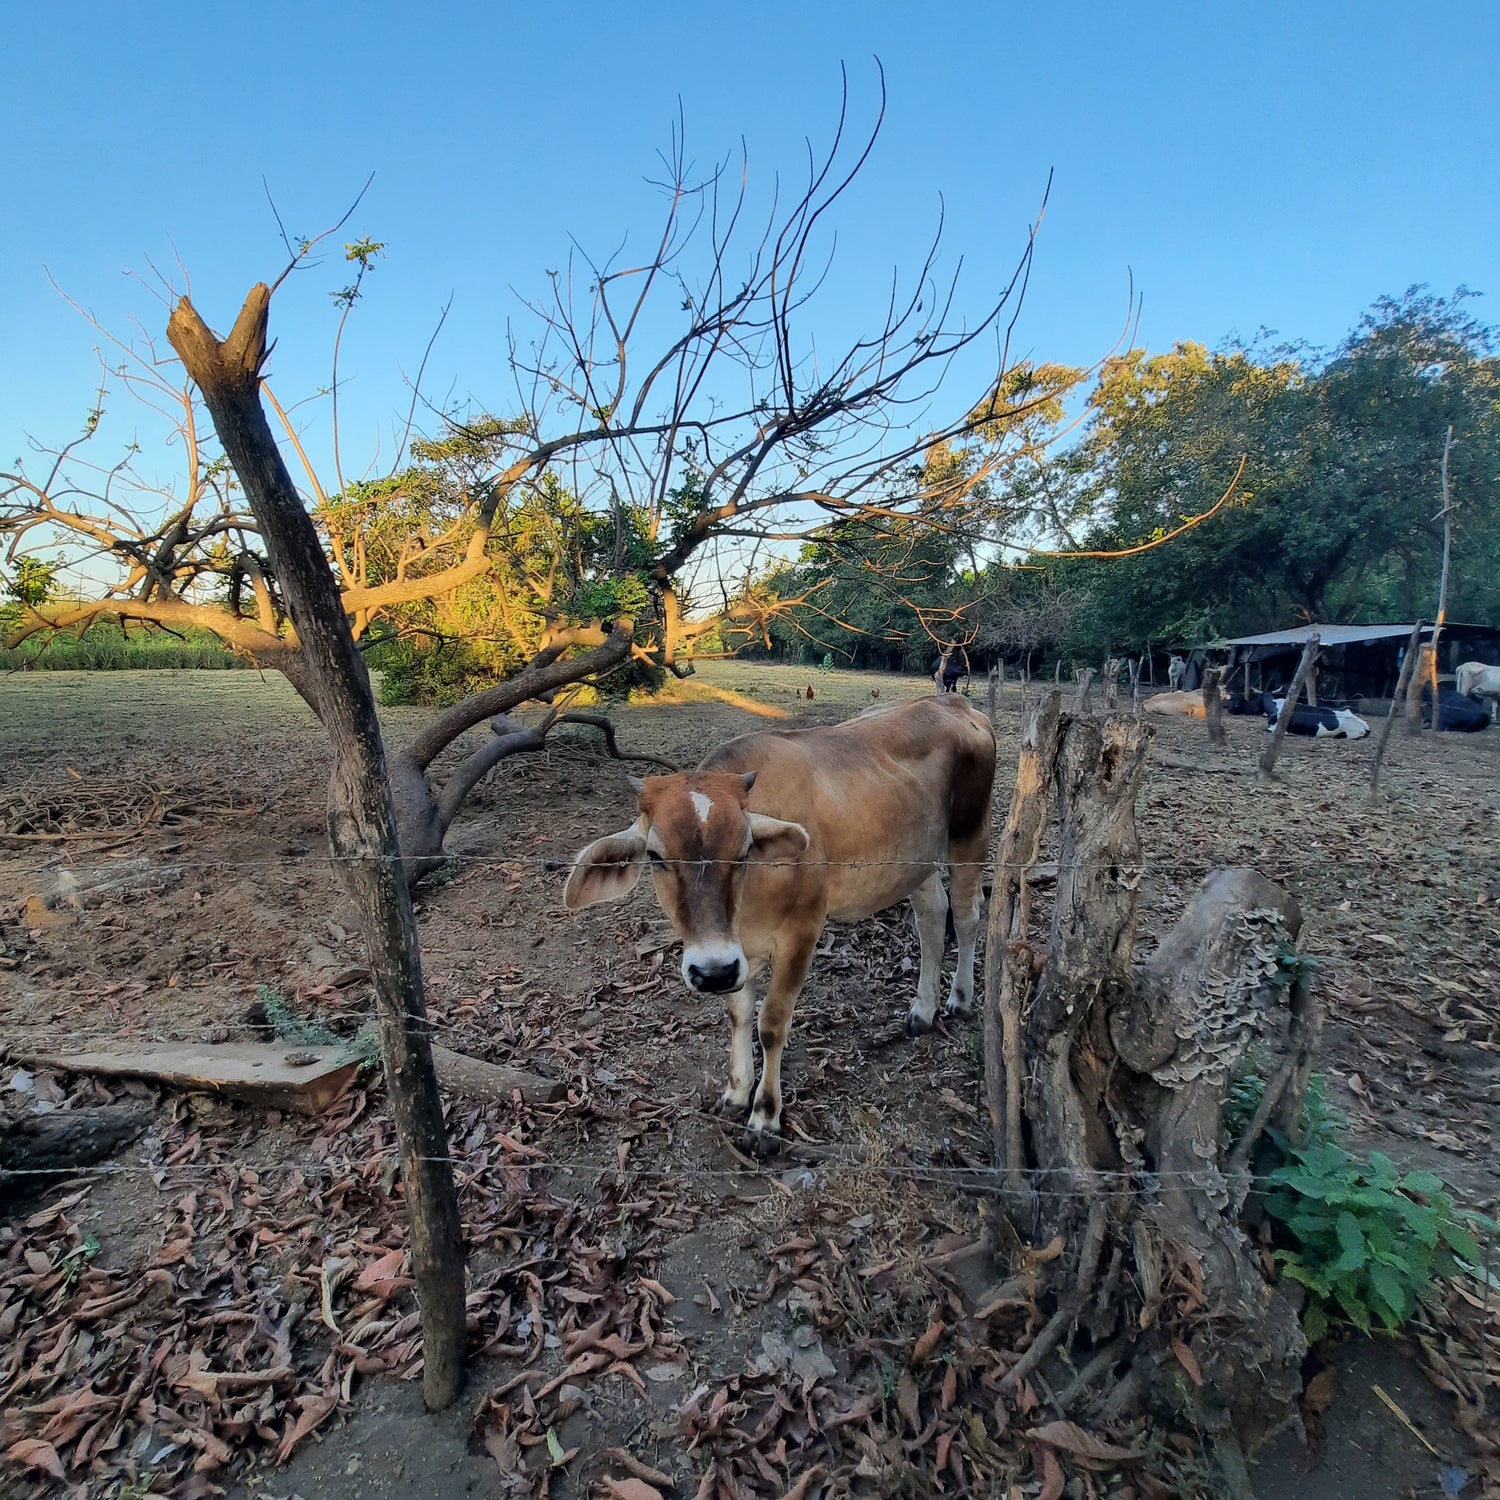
[(881, 795)]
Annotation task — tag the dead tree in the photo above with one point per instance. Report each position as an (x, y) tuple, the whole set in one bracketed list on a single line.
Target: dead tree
[(361, 818), (994, 688), (1288, 708), (1213, 705), (1408, 666), (1106, 1083), (1082, 692), (687, 384), (1111, 683)]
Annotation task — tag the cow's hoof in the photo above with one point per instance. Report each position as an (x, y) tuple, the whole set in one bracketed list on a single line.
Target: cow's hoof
[(761, 1142), (959, 1009), (728, 1105), (916, 1026)]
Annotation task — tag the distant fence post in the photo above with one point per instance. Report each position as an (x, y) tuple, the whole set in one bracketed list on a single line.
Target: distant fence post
[(1288, 708), (1408, 662), (1213, 706)]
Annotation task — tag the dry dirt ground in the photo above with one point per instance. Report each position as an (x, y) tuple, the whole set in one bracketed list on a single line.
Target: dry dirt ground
[(647, 1307)]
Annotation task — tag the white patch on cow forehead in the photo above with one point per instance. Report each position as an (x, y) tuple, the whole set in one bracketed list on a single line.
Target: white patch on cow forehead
[(702, 805)]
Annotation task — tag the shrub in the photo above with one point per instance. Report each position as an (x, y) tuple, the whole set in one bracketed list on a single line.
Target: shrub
[(1367, 1241)]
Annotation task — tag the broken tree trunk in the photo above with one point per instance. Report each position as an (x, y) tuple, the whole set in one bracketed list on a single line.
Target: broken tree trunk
[(1108, 1117), (1288, 708), (361, 818), (1408, 666), (1111, 683), (1213, 706), (1007, 987)]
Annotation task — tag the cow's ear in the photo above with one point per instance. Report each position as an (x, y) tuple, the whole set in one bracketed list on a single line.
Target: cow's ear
[(606, 871), (770, 838)]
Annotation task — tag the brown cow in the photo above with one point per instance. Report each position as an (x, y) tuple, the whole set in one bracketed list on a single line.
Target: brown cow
[(776, 833), (1187, 704)]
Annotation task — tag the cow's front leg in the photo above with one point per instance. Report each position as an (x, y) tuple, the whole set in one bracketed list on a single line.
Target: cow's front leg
[(789, 968), (735, 1099), (930, 903)]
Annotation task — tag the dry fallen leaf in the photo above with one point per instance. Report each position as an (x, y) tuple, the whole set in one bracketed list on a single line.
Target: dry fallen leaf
[(1319, 1393), (632, 1489), (906, 1399), (1188, 1360), (929, 1340), (37, 1455), (1071, 1438)]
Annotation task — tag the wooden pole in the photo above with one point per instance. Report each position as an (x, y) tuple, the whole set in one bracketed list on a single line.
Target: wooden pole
[(1408, 664), (361, 821), (1446, 516), (1284, 718), (1213, 706)]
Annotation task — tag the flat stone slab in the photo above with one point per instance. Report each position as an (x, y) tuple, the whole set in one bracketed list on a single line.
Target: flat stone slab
[(276, 1075)]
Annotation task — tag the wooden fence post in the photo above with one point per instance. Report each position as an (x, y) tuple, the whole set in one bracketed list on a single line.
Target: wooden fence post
[(361, 821), (1408, 663), (1213, 706), (1284, 718), (1446, 517)]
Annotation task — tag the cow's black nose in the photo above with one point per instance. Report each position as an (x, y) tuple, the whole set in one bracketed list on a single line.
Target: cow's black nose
[(714, 977)]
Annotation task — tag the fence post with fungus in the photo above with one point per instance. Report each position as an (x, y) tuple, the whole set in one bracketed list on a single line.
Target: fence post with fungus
[(361, 822), (1284, 718)]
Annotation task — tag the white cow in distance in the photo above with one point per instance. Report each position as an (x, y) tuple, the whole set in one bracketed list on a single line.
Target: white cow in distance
[(1479, 680), (1176, 668)]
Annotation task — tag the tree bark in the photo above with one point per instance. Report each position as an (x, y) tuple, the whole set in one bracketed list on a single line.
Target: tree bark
[(1010, 968), (1288, 707), (1213, 706), (361, 819), (1112, 1105), (65, 1139)]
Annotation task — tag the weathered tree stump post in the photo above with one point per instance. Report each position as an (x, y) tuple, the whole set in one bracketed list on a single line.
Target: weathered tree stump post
[(1106, 1082), (361, 820), (1135, 687), (1408, 667), (1111, 683), (1288, 707), (992, 694), (1414, 682), (1213, 706), (1081, 693)]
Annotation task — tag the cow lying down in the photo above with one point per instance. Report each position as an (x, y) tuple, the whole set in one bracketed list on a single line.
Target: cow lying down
[(1457, 712), (1187, 705), (1315, 723), (775, 833)]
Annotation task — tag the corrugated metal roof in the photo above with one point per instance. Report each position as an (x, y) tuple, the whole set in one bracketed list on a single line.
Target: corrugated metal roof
[(1329, 635)]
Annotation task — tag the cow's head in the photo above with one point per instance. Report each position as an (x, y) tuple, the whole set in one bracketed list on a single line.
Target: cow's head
[(699, 838)]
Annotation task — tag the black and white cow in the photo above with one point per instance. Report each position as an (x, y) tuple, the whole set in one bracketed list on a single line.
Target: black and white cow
[(1316, 723)]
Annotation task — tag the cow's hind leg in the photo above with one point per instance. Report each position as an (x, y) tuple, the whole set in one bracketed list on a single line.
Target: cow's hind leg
[(966, 892), (968, 848), (930, 903), (789, 967)]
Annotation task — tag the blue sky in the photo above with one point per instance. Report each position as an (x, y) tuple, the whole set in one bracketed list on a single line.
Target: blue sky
[(1272, 164)]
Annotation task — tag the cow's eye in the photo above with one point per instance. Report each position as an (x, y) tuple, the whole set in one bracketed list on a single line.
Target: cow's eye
[(654, 857)]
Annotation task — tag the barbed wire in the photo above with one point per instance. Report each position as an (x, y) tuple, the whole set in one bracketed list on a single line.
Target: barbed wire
[(555, 864), (1135, 1182)]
